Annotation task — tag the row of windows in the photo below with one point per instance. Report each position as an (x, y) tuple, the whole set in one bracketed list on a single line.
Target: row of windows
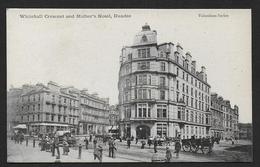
[(192, 116), (145, 65), (145, 53), (93, 103), (193, 81), (32, 108), (194, 130), (95, 119), (189, 101), (63, 99), (144, 110), (49, 117), (63, 109), (100, 113), (193, 92), (33, 98), (146, 94), (143, 94)]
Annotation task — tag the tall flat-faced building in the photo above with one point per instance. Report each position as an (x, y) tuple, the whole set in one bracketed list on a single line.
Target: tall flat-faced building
[(46, 109), (161, 93)]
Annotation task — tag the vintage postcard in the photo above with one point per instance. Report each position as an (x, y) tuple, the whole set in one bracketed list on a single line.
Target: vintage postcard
[(129, 85)]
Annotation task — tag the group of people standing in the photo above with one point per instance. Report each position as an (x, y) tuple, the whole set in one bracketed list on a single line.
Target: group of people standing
[(50, 144), (18, 138), (155, 142)]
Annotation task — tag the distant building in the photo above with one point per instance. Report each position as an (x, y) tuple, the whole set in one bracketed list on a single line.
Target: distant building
[(46, 109), (13, 96), (113, 115), (94, 113), (217, 116), (245, 131), (161, 93), (224, 118)]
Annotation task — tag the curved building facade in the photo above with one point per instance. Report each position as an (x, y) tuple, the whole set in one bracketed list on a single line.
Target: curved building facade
[(160, 91)]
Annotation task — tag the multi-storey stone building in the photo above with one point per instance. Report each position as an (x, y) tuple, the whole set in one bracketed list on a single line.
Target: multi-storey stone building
[(12, 107), (94, 116), (46, 109), (113, 115), (217, 116), (224, 118), (161, 93), (235, 119), (245, 131), (230, 120)]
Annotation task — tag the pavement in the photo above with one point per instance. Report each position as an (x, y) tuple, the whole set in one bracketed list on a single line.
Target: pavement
[(23, 153)]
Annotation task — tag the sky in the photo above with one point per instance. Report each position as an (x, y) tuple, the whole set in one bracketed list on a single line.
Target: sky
[(84, 52)]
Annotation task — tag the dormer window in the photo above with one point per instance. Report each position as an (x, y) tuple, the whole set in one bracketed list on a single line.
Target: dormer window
[(161, 54), (144, 38)]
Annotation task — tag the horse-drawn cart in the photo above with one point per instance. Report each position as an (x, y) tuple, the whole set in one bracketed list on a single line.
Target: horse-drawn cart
[(194, 145)]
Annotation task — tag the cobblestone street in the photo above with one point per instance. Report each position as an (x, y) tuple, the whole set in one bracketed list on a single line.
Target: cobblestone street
[(21, 153)]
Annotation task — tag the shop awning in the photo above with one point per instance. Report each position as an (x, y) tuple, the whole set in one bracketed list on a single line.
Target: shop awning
[(21, 126), (49, 124), (62, 132)]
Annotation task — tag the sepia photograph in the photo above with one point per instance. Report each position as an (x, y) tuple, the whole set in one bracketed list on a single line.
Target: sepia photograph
[(129, 85)]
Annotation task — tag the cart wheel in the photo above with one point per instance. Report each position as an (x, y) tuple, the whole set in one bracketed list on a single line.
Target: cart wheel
[(186, 148), (205, 150), (194, 148)]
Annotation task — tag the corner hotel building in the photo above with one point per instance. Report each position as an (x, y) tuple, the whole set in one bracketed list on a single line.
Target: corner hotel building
[(161, 93)]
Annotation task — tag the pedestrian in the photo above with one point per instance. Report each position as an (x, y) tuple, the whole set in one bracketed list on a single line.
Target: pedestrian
[(43, 144), (167, 141), (53, 147), (177, 147), (33, 142), (21, 138), (168, 154), (80, 149), (27, 138), (149, 142), (95, 143), (105, 140), (90, 138), (128, 142), (86, 142), (114, 149), (65, 147), (98, 153), (155, 145), (143, 144), (56, 146), (47, 144), (136, 140), (110, 146)]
